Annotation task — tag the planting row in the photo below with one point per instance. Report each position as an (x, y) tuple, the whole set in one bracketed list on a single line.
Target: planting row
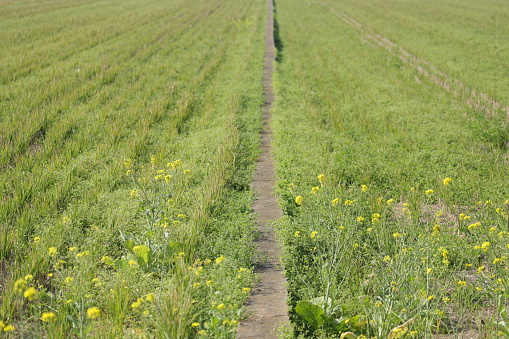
[(393, 187), (128, 143)]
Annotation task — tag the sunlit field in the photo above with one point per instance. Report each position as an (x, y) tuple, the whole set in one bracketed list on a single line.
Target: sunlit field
[(391, 148), (128, 135)]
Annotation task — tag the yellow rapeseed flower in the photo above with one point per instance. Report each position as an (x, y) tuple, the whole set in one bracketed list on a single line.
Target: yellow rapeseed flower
[(93, 312), (315, 190), (322, 179), (219, 260), (364, 188), (298, 200), (429, 192), (150, 297), (30, 293), (20, 285), (9, 328), (83, 254), (485, 246), (47, 316)]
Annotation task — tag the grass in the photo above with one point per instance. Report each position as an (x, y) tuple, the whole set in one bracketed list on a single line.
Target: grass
[(126, 146), (395, 204)]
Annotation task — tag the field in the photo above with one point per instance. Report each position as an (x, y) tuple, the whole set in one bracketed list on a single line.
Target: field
[(128, 137), (129, 132), (390, 129)]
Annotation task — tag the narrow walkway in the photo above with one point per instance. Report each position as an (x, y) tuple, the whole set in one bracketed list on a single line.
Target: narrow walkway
[(266, 307)]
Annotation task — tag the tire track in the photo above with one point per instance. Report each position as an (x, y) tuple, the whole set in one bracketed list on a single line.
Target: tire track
[(266, 307), (477, 100)]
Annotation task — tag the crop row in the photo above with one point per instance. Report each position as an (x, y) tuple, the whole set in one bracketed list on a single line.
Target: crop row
[(393, 186), (128, 139)]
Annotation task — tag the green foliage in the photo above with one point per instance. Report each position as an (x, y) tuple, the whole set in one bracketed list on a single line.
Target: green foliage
[(126, 87), (391, 183)]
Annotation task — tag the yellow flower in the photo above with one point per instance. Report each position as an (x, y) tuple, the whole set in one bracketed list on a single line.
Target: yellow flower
[(360, 219), (348, 202), (20, 285), (69, 280), (335, 202), (463, 216), (447, 181), (220, 306), (83, 254), (29, 277), (137, 303), (296, 234), (36, 239), (390, 201), (47, 316), (298, 200), (93, 312), (133, 263), (396, 235), (322, 179), (30, 293), (246, 290), (315, 190), (429, 192), (219, 260), (52, 251), (364, 188), (313, 234), (480, 269), (474, 226), (150, 297), (428, 271), (485, 246), (195, 324), (462, 283), (9, 328), (134, 193)]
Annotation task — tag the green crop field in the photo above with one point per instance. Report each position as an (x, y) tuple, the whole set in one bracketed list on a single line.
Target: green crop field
[(129, 132), (391, 140)]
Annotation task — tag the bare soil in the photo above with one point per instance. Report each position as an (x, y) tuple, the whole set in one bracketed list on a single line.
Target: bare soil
[(266, 307)]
